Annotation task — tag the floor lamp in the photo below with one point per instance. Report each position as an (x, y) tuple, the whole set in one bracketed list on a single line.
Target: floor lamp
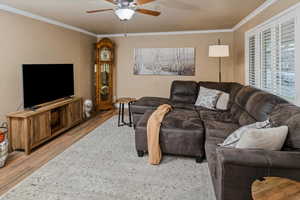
[(219, 51)]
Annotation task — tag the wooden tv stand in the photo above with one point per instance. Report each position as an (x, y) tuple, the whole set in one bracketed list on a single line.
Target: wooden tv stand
[(29, 129)]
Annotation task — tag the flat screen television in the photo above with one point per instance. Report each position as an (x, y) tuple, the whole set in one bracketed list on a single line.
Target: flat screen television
[(46, 82)]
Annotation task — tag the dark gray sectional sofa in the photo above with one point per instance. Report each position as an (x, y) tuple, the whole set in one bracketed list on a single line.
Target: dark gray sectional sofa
[(197, 131)]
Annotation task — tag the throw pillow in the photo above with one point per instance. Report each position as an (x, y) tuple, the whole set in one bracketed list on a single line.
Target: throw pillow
[(223, 100), (268, 139), (207, 98), (233, 139)]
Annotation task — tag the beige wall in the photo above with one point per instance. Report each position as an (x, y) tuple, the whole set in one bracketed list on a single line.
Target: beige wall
[(239, 35), (24, 40), (131, 85)]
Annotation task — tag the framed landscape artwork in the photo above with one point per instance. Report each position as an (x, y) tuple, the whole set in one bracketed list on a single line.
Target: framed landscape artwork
[(164, 61)]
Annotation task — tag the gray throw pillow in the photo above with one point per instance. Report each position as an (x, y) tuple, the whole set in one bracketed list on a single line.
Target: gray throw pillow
[(233, 138), (207, 98), (223, 100), (271, 139)]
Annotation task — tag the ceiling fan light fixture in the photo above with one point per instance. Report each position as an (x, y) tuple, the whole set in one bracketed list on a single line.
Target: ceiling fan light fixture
[(125, 13)]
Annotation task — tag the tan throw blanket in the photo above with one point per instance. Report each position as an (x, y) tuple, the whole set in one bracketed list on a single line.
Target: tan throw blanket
[(153, 129)]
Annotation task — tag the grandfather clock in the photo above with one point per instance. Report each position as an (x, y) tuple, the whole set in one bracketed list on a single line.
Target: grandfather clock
[(104, 74)]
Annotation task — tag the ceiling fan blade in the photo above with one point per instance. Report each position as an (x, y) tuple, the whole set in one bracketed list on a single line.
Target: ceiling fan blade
[(148, 12), (100, 10), (141, 2), (111, 1)]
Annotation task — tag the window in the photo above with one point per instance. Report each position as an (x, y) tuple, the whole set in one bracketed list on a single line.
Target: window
[(271, 60)]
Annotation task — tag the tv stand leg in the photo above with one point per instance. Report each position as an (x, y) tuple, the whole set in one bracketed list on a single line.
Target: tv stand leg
[(27, 150)]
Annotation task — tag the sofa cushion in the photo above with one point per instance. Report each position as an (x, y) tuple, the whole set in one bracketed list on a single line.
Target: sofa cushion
[(214, 115), (261, 104), (176, 119), (283, 112), (246, 119), (244, 94), (184, 92), (181, 133), (185, 106), (257, 103), (240, 116), (217, 129), (293, 138), (136, 118), (235, 88), (148, 103), (224, 87), (288, 114)]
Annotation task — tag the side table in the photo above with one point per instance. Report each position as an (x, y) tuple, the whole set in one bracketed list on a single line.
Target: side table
[(121, 102), (275, 188)]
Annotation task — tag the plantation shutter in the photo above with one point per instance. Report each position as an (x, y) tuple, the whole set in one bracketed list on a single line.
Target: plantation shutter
[(271, 58), (252, 54), (286, 59), (266, 60)]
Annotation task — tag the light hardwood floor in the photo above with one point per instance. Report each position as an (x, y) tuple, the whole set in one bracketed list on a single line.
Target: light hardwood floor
[(19, 166)]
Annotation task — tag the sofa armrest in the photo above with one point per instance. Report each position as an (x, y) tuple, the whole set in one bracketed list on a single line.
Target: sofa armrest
[(239, 168), (259, 158)]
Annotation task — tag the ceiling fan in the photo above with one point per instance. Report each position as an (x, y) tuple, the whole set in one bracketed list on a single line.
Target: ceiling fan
[(125, 9)]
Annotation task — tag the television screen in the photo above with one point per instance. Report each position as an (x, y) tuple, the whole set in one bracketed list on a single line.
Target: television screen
[(44, 83)]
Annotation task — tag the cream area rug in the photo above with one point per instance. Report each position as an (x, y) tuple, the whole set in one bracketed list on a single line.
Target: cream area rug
[(104, 165)]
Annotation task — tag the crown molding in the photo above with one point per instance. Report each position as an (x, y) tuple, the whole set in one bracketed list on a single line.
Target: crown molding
[(292, 10), (44, 19), (57, 23), (256, 12), (165, 33)]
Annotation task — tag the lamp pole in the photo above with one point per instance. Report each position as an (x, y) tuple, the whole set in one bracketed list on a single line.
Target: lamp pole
[(219, 51), (220, 64)]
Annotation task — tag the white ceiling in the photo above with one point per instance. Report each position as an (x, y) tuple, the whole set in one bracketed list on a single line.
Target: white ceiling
[(177, 15)]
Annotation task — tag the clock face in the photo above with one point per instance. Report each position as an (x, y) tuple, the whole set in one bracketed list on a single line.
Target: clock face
[(105, 54)]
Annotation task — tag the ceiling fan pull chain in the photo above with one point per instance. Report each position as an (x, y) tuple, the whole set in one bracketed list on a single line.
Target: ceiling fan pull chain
[(125, 29)]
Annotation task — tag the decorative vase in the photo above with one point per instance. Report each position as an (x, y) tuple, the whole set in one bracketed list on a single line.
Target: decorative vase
[(3, 148)]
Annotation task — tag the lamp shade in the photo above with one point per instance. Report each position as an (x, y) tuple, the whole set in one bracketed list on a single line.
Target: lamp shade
[(219, 51)]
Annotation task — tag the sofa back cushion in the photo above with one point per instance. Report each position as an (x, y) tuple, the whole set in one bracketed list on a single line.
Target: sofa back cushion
[(224, 87), (257, 103), (245, 119), (184, 92), (261, 104), (244, 94), (240, 116), (289, 115), (234, 89)]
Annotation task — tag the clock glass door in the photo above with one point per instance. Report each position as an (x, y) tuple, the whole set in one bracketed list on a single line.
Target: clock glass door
[(105, 82)]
